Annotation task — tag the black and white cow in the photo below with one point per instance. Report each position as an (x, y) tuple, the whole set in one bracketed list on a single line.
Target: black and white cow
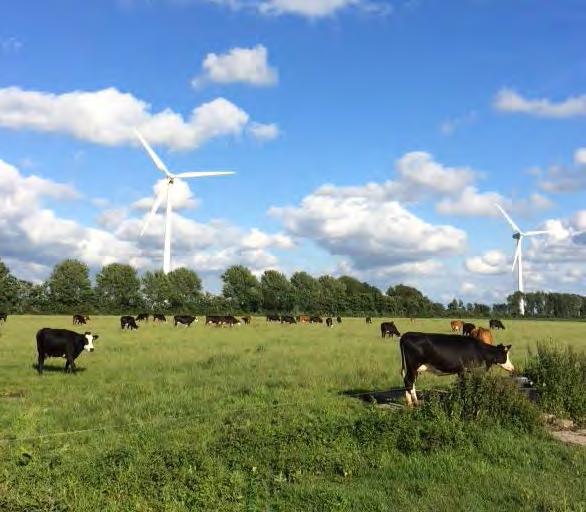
[(158, 317), (3, 317), (339, 319), (389, 329), (288, 319), (273, 318), (329, 322), (185, 320), (467, 329), (128, 322), (316, 320), (495, 324), (142, 316), (246, 319), (446, 354), (62, 343)]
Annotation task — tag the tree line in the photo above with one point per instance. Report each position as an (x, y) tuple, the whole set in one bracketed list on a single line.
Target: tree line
[(119, 289)]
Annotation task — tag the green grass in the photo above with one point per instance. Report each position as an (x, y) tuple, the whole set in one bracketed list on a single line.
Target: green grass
[(251, 418)]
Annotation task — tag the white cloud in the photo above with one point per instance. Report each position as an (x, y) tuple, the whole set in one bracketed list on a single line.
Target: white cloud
[(508, 100), (470, 202), (491, 262), (108, 117), (372, 232), (449, 126), (307, 8), (33, 237), (11, 45), (182, 196), (560, 178), (244, 65), (580, 156), (264, 132)]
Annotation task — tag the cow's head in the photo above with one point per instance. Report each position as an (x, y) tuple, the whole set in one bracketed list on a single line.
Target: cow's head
[(89, 345), (503, 359), (393, 329)]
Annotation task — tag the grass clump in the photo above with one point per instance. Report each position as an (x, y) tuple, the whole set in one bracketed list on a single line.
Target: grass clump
[(560, 377)]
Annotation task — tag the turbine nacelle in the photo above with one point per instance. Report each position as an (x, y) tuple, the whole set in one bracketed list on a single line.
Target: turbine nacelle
[(517, 236)]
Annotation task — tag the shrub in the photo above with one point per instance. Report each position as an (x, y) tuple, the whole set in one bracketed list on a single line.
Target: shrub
[(560, 376)]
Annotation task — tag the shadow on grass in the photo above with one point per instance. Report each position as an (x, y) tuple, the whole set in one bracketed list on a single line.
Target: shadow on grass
[(58, 369)]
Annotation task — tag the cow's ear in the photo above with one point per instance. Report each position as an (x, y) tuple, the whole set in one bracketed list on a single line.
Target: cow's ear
[(95, 337), (508, 347)]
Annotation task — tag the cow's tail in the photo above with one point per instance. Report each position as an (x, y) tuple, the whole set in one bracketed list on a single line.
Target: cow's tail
[(402, 348)]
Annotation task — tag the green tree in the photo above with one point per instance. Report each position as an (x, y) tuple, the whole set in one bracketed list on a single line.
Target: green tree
[(9, 289), (117, 289), (277, 292), (156, 291), (306, 291), (333, 295), (70, 289), (243, 288), (185, 290)]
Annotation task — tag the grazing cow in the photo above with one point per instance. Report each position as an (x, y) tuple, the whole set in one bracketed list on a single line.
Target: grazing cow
[(445, 354), (158, 317), (80, 319), (221, 320), (456, 325), (303, 319), (329, 322), (63, 343), (214, 320), (3, 317), (482, 334), (273, 318), (185, 320), (246, 319), (467, 329), (231, 320), (128, 322), (316, 320), (495, 324), (389, 329), (142, 316), (339, 319), (368, 320), (288, 319)]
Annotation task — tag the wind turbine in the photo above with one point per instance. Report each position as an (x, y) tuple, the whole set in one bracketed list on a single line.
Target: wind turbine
[(518, 235), (171, 178)]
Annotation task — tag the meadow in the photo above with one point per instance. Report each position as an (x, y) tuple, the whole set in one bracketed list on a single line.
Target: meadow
[(254, 418)]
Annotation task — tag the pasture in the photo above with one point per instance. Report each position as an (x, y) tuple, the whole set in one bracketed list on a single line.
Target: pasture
[(252, 418)]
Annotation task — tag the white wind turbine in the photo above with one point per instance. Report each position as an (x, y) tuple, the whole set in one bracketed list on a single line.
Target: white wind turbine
[(518, 235), (171, 177)]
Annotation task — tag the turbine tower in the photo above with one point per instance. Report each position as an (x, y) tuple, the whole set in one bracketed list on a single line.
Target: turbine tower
[(518, 235), (167, 191)]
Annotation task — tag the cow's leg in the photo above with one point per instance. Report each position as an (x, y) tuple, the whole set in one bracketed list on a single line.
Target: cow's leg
[(40, 362), (409, 380)]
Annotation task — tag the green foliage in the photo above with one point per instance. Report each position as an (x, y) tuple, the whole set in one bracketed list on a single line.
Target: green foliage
[(117, 289), (277, 292), (156, 290), (242, 287), (185, 290), (560, 376), (9, 289), (69, 288)]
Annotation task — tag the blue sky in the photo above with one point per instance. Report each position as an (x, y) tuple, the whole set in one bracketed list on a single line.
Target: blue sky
[(418, 115)]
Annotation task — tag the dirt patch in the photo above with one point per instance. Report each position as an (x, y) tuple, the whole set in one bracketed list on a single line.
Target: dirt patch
[(570, 436), (12, 394)]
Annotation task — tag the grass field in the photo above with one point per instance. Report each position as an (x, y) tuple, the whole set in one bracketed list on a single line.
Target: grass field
[(252, 418)]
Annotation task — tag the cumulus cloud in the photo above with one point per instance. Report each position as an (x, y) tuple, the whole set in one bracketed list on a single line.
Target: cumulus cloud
[(307, 8), (263, 132), (181, 196), (580, 156), (244, 65), (371, 232), (491, 262), (108, 117), (560, 178), (508, 100), (33, 237)]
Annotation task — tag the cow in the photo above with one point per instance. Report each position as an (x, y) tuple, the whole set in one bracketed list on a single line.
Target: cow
[(214, 320), (185, 320), (230, 320), (482, 334), (62, 343), (368, 320), (220, 320), (288, 319), (456, 325), (446, 354), (495, 324), (339, 319), (159, 317), (303, 319), (389, 329), (273, 318), (246, 319), (80, 319), (467, 329), (128, 322), (142, 316), (329, 322), (316, 320), (3, 317)]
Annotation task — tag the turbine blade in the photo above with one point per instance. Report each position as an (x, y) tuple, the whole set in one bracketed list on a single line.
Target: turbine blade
[(154, 209), (154, 157), (517, 252), (509, 220), (532, 233), (201, 174)]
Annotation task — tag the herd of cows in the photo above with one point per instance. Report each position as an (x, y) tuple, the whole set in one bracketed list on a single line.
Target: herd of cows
[(465, 347)]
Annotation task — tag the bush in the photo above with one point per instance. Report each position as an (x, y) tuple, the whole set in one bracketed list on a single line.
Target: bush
[(560, 376)]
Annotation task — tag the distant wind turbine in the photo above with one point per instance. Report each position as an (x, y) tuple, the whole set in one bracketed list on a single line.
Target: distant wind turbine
[(171, 177), (518, 235)]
